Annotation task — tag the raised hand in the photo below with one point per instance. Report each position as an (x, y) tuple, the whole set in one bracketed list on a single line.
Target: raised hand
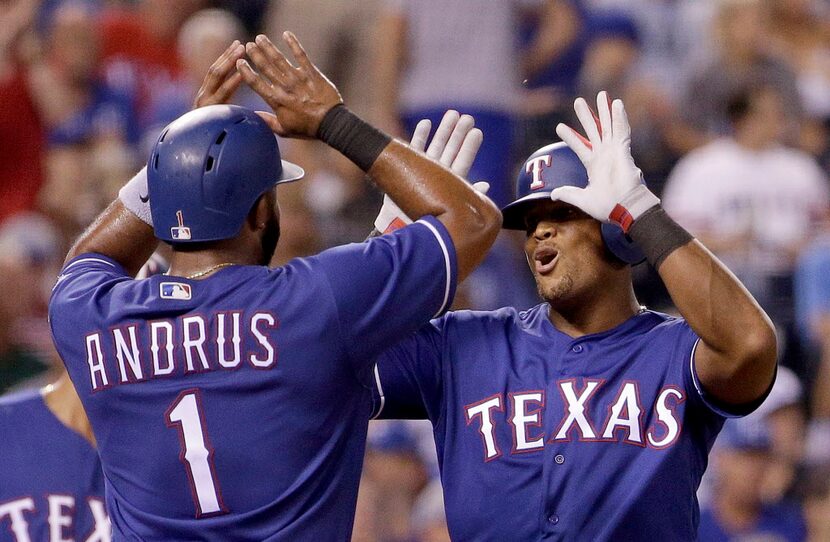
[(300, 95), (616, 191), (455, 145), (222, 79)]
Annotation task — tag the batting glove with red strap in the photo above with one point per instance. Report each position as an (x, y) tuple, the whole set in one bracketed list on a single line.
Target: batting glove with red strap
[(455, 145), (616, 192)]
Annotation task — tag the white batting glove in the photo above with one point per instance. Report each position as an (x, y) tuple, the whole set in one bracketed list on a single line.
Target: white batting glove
[(616, 192), (455, 145)]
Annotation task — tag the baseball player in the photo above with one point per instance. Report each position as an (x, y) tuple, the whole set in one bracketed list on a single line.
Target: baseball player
[(51, 484), (229, 400), (586, 417)]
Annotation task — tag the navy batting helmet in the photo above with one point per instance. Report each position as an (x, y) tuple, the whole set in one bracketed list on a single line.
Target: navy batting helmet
[(207, 170), (548, 168)]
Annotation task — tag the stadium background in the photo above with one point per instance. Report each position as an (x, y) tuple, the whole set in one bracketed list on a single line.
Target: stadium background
[(729, 102)]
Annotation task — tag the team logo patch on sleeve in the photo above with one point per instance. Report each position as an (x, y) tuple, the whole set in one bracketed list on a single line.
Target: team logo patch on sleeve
[(175, 290)]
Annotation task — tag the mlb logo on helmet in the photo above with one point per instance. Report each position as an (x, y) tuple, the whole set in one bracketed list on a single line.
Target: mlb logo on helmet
[(175, 290), (182, 232)]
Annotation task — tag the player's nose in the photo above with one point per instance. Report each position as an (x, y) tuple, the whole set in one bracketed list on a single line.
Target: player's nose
[(544, 230)]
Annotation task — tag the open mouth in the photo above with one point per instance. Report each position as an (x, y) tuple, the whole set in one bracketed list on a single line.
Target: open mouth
[(545, 260)]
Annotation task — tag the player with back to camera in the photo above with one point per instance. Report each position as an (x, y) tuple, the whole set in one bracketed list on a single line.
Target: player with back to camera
[(230, 400), (586, 417)]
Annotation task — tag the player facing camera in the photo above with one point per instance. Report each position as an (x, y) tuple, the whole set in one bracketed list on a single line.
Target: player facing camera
[(210, 178), (569, 252), (598, 411)]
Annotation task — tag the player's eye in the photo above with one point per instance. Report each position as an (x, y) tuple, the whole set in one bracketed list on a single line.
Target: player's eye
[(530, 226), (563, 214)]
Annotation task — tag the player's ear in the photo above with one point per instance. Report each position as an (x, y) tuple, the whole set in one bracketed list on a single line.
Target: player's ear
[(261, 213)]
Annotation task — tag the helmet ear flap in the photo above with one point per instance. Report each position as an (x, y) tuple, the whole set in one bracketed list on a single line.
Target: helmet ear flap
[(621, 245)]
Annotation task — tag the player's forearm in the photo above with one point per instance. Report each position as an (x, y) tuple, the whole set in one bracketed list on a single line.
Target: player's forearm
[(118, 234), (717, 306), (738, 336)]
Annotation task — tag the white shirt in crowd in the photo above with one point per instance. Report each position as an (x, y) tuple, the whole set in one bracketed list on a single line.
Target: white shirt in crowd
[(773, 197)]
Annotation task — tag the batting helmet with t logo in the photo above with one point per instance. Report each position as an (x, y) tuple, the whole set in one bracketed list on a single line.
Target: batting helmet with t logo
[(548, 168)]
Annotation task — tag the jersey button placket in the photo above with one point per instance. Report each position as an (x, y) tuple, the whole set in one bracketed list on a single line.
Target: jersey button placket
[(577, 348)]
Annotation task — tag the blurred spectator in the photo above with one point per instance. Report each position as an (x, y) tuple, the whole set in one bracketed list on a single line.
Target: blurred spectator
[(139, 47), (815, 493), (781, 419), (613, 62), (812, 304), (201, 39), (17, 363), (461, 55), (612, 52), (738, 512), (333, 205), (75, 103), (339, 36), (555, 37), (429, 522), (464, 55), (673, 36), (89, 124), (743, 57), (29, 253), (785, 419), (250, 12), (396, 472), (800, 30), (751, 200), (21, 129), (801, 33)]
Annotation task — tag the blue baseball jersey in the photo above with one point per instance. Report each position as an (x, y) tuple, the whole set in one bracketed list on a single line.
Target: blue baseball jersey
[(51, 484), (236, 407), (541, 436)]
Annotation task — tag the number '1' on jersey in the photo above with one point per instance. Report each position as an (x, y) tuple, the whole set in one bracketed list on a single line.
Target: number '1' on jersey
[(236, 407)]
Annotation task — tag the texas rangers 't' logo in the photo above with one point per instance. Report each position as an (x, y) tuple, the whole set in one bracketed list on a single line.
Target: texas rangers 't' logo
[(534, 166), (181, 232)]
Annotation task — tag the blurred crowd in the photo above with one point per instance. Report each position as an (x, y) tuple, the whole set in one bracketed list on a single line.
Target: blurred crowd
[(729, 102)]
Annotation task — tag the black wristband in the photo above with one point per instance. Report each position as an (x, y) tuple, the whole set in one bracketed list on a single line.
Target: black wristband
[(357, 140), (658, 235)]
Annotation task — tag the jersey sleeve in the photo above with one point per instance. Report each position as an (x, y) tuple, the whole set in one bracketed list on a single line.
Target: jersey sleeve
[(79, 281), (389, 286), (696, 390), (407, 377), (80, 292)]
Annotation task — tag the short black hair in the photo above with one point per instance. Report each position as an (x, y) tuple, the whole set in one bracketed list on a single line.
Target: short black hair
[(740, 103)]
